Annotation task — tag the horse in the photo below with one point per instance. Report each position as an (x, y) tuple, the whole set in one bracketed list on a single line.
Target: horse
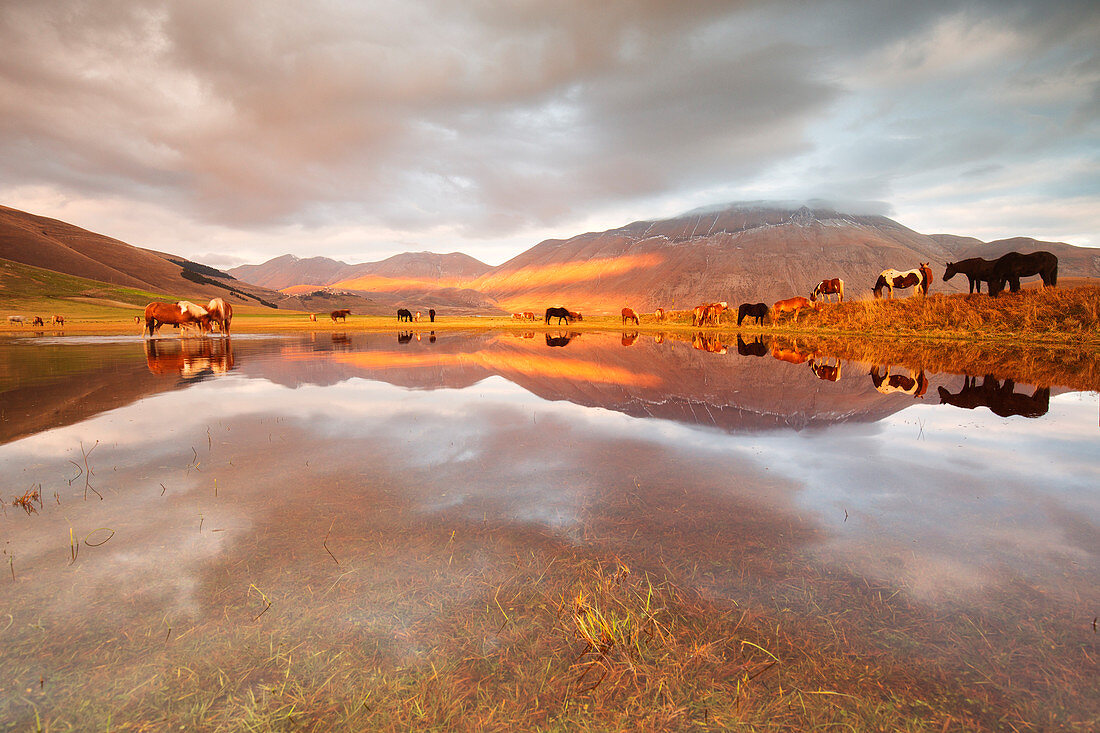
[(756, 348), (221, 313), (828, 372), (976, 269), (890, 279), (431, 315), (182, 313), (576, 316), (1001, 399), (828, 287), (701, 314), (417, 317), (517, 316), (887, 383), (59, 320), (15, 319), (404, 314), (630, 315), (562, 314), (755, 311), (1012, 266), (792, 305), (313, 317), (528, 315), (38, 321), (659, 314), (341, 314)]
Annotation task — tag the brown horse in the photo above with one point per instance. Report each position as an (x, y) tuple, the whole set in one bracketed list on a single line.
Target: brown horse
[(180, 314), (341, 314), (630, 315), (221, 313), (701, 315), (791, 305), (528, 315), (659, 314), (576, 316), (829, 287)]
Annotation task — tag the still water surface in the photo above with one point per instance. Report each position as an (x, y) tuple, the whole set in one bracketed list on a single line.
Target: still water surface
[(187, 484)]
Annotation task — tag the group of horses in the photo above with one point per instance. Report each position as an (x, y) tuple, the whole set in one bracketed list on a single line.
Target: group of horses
[(58, 320), (1008, 268), (184, 314)]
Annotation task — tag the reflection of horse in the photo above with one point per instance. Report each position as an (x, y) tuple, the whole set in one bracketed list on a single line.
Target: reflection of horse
[(189, 359), (221, 313), (1001, 399), (630, 315), (791, 305), (1012, 266), (404, 337), (562, 314), (183, 313), (560, 339), (756, 348), (341, 314), (629, 338), (890, 279), (708, 342), (404, 314), (829, 287), (976, 269), (755, 311), (888, 383), (341, 341), (791, 356), (823, 370)]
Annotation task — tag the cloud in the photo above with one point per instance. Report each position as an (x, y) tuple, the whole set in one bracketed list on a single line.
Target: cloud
[(433, 121)]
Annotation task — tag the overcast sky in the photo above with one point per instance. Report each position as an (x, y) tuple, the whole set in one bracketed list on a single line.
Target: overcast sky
[(232, 132)]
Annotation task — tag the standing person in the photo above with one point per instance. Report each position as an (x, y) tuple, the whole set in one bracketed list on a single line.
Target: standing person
[(431, 314)]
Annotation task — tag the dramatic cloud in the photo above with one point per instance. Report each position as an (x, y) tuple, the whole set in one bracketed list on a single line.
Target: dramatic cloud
[(249, 129)]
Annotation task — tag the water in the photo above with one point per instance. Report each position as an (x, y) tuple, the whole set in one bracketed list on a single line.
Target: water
[(184, 486)]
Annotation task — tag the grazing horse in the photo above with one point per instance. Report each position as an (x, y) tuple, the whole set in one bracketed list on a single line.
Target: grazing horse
[(181, 314), (221, 313), (528, 315), (822, 370), (976, 269), (756, 348), (562, 314), (887, 383), (59, 320), (15, 319), (341, 314), (404, 314), (890, 279), (38, 321), (702, 314), (1001, 399), (1012, 266), (576, 316), (630, 315), (829, 287), (517, 316), (755, 311), (792, 305)]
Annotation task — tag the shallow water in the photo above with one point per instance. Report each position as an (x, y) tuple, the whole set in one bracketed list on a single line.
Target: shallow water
[(179, 479)]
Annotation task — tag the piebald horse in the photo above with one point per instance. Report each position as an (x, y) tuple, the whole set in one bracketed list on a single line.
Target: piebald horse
[(828, 287), (183, 313), (221, 313), (890, 279)]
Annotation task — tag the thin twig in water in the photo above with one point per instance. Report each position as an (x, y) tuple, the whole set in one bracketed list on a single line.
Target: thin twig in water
[(267, 603), (88, 471), (99, 529), (325, 543)]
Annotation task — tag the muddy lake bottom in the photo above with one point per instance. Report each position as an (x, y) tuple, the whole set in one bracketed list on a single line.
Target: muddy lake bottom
[(539, 531)]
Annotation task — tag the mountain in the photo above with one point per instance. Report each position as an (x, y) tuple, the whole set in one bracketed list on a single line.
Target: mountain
[(420, 270), (758, 251), (55, 245)]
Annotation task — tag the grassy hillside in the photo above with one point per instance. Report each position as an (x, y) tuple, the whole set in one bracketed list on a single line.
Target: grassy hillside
[(31, 291)]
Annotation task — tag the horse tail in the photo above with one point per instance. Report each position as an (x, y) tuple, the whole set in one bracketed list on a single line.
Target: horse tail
[(1054, 274), (840, 290)]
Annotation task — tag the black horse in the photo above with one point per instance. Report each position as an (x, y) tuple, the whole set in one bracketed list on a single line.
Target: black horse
[(1012, 266), (756, 348), (756, 311), (1000, 397), (562, 314), (976, 269), (404, 314), (431, 314)]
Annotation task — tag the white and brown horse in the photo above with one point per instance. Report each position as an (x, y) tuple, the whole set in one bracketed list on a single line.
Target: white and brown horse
[(921, 277), (221, 313), (828, 287), (183, 313)]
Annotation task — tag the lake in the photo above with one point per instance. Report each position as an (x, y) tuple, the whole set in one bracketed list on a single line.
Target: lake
[(546, 529)]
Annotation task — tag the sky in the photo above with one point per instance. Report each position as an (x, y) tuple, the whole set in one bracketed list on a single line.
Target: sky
[(234, 131)]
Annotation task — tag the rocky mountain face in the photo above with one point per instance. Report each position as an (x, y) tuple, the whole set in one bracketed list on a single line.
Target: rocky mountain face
[(427, 268), (61, 247)]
